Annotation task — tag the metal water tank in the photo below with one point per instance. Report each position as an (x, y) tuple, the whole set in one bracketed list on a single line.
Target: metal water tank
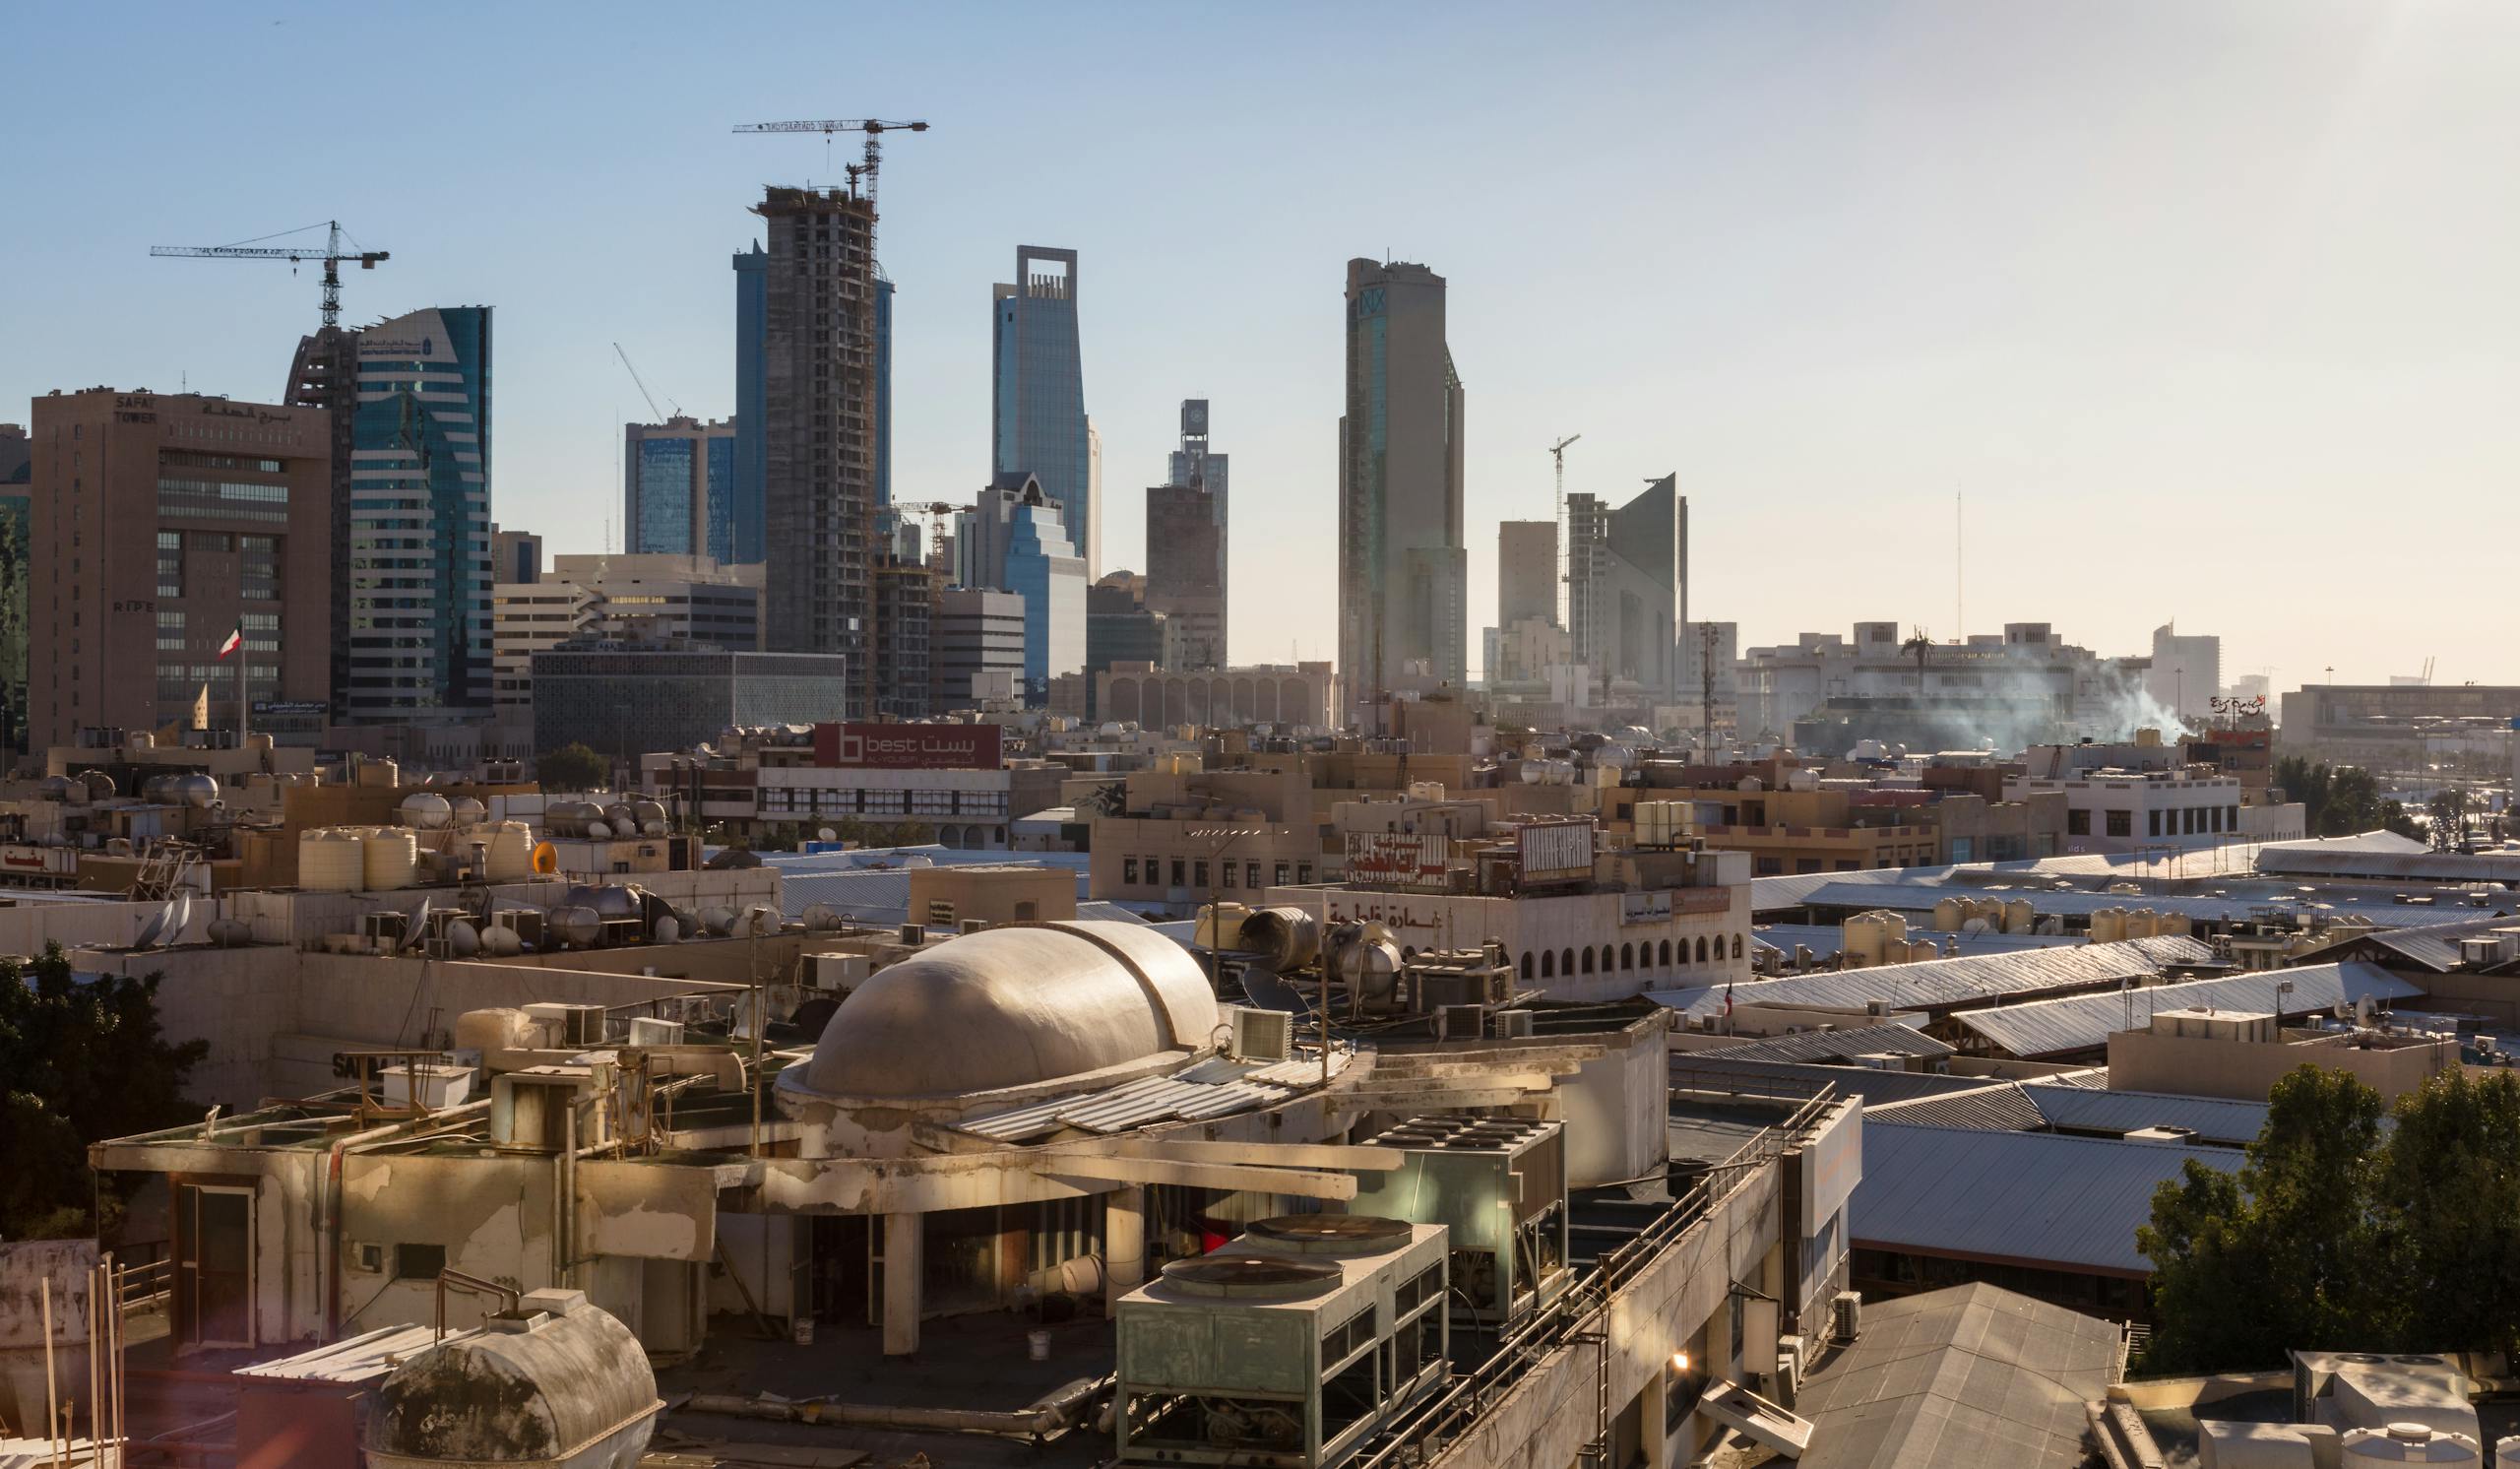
[(468, 812), (2019, 915), (330, 859), (427, 811), (1946, 914), (392, 856), (550, 1380), (574, 925), (197, 790)]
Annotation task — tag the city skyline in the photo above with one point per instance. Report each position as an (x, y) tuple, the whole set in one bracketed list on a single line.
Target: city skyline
[(1871, 272)]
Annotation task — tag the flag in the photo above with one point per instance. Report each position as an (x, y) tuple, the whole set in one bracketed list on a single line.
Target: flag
[(235, 640), (201, 708)]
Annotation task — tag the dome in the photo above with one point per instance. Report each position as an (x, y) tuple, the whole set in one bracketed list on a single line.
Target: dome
[(1012, 1006)]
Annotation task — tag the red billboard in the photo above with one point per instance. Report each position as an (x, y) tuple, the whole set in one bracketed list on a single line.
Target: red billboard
[(876, 746)]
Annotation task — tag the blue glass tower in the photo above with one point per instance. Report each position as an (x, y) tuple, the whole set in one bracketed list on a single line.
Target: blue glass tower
[(1036, 397), (678, 496), (749, 467), (419, 518)]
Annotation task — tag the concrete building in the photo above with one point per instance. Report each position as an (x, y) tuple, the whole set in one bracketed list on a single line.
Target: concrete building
[(1036, 400), (1627, 590), (2239, 1054), (679, 488), (1092, 547), (2013, 690), (162, 524), (752, 401), (2397, 726), (819, 445), (639, 599), (2186, 672), (1289, 696), (515, 555), (977, 646), (623, 699), (1015, 541), (1404, 569), (1151, 854), (905, 637), (952, 778), (1187, 578), (17, 542), (1526, 584), (2148, 796)]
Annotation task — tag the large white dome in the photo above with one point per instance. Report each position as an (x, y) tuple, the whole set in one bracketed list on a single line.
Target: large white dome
[(1011, 1007)]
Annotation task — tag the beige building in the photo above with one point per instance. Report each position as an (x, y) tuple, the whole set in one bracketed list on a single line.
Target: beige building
[(164, 522), (2242, 1055), (1184, 833), (1293, 695), (634, 598)]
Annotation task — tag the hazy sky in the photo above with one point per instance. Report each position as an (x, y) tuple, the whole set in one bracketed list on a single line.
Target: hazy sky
[(2208, 309)]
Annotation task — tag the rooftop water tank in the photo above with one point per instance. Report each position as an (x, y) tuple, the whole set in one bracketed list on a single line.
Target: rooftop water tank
[(393, 856), (468, 812), (197, 790), (427, 811), (2408, 1443), (550, 1381), (510, 856), (330, 859)]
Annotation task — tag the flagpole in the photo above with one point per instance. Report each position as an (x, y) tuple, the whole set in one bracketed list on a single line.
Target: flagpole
[(240, 692)]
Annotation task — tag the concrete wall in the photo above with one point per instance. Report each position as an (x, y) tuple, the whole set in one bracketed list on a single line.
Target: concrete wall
[(2142, 1061)]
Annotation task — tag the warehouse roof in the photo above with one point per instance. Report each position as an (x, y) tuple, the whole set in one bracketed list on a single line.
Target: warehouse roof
[(2392, 867), (1824, 940), (2033, 1198), (1969, 1378), (2432, 946), (1840, 1044), (1721, 1071), (1943, 984), (2044, 1107), (2083, 1022)]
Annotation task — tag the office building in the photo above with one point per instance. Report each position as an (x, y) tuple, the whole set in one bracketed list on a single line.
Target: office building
[(1186, 545), (16, 538), (883, 386), (1627, 589), (2186, 672), (752, 349), (624, 699), (165, 521), (658, 600), (905, 637), (2398, 726), (679, 488), (1289, 696), (1403, 568), (1013, 540), (1093, 501), (976, 647), (1036, 396), (1526, 571), (515, 555), (819, 396)]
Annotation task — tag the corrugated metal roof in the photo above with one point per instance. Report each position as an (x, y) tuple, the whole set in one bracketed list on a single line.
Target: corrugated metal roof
[(2083, 1022), (1824, 940), (1969, 1378), (2074, 1109), (1840, 1044), (1719, 1070), (1211, 1088), (1940, 984), (2244, 900), (2432, 946), (2391, 866), (2041, 1198), (2001, 1108), (364, 1357)]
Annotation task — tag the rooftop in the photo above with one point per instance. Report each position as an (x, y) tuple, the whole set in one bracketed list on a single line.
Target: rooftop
[(2085, 1022)]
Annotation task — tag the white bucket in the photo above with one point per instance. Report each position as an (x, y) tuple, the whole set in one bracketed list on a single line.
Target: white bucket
[(1038, 1342), (803, 1328)]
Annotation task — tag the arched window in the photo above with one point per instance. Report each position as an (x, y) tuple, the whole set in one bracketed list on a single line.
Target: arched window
[(1566, 962), (1667, 953), (1547, 965), (1527, 964), (1701, 948), (1737, 945), (1609, 959), (1588, 961), (1627, 956)]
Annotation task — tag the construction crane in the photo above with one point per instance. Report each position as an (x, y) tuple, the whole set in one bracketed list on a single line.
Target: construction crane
[(642, 386), (1565, 537), (873, 128), (332, 255)]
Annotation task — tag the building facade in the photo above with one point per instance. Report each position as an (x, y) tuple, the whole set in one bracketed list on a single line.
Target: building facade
[(17, 540), (651, 600), (1013, 540), (1186, 545), (1036, 397), (1626, 588), (1287, 696), (2187, 673), (515, 555), (165, 523), (623, 700), (819, 443), (1403, 566), (678, 490), (1526, 571), (976, 647), (752, 367)]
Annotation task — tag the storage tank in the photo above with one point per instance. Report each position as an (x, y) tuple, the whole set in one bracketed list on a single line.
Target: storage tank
[(510, 857), (2019, 915), (1288, 937), (2408, 1443), (2507, 1453), (550, 1381), (1894, 928), (330, 859), (2142, 924), (468, 812), (2108, 925), (427, 811), (1946, 916), (380, 773), (1861, 939), (574, 925), (393, 857), (198, 791)]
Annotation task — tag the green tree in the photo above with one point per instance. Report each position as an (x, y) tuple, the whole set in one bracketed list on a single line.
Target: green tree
[(2339, 801), (84, 1060), (573, 767), (2449, 1185), (2248, 1265)]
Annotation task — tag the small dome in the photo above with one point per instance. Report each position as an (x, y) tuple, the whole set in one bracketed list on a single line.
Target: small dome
[(1012, 1006)]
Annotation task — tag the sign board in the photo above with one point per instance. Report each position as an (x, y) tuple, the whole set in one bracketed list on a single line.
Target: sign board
[(1832, 1165), (290, 708), (1645, 908), (1555, 851), (940, 914), (878, 747), (1411, 860)]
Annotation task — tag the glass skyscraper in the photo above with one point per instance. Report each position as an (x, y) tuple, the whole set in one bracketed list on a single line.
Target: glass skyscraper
[(1036, 398), (680, 493), (419, 518)]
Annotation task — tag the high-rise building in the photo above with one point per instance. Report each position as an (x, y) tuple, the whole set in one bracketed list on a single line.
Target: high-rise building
[(1627, 588), (883, 386), (165, 522), (515, 555), (752, 350), (905, 640), (1186, 545), (2186, 672), (417, 575), (1092, 548), (976, 647), (1526, 571), (679, 489), (819, 415), (17, 540), (1403, 568), (1013, 540), (1036, 397)]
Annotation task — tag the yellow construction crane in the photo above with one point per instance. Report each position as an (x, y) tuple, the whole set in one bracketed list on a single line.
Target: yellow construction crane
[(873, 128), (332, 255)]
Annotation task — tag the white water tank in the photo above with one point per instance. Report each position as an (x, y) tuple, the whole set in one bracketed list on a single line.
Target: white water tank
[(469, 812), (510, 857), (2019, 915), (393, 855), (2507, 1453), (2408, 1443), (330, 860), (427, 811)]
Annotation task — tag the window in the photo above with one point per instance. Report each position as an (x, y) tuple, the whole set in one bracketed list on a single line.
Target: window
[(2121, 823), (2156, 823), (2078, 822), (1770, 866), (1282, 875), (1225, 870), (1130, 870), (418, 1261), (1199, 872), (1737, 945), (1666, 952), (1566, 962), (1609, 959), (1250, 874), (1701, 948), (1547, 965), (1180, 872), (2217, 813), (1303, 871), (1527, 964), (2232, 813), (1588, 961)]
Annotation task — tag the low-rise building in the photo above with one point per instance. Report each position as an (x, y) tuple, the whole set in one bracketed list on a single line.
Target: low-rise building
[(622, 699), (764, 784)]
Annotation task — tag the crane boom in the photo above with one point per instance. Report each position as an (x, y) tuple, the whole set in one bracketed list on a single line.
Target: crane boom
[(873, 127), (332, 256), (642, 384)]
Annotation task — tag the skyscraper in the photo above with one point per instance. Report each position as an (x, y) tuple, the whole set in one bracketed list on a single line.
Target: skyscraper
[(1627, 587), (1014, 541), (752, 306), (2187, 673), (1185, 544), (1403, 570), (679, 488), (1093, 550), (1526, 571), (820, 411), (1036, 397)]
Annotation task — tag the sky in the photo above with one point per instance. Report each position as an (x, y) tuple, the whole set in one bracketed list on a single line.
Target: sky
[(2096, 316)]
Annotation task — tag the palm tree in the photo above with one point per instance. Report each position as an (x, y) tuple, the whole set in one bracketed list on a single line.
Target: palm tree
[(1919, 645)]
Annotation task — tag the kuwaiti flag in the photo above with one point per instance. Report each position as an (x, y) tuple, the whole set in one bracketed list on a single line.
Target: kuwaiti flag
[(235, 640)]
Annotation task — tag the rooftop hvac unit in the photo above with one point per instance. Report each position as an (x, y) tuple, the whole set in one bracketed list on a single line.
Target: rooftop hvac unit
[(974, 925), (1845, 1310), (1477, 978), (1262, 1035), (1291, 1347), (913, 934), (1513, 1025), (1498, 1186), (1460, 1022), (647, 1031), (572, 1027)]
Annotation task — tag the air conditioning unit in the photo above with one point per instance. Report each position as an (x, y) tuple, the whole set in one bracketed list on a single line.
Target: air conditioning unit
[(1513, 1025), (1262, 1035), (572, 1026), (1460, 1022), (974, 925), (645, 1031), (1845, 1315), (913, 934), (1498, 1186)]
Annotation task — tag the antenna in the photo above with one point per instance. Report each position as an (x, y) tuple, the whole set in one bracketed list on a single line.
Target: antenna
[(1959, 564)]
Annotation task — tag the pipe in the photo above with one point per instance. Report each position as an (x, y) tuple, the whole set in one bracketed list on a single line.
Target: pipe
[(1061, 1410), (473, 1283)]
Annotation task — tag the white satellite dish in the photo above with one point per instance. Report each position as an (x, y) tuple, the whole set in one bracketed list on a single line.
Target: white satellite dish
[(154, 925), (179, 917), (416, 927)]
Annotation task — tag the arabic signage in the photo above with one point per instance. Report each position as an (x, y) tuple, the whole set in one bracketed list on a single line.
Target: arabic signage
[(1412, 861), (876, 746), (1555, 851), (1645, 908)]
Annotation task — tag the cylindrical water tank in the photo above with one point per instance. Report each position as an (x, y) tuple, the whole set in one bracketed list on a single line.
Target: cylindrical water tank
[(1861, 941), (2108, 925), (554, 1380), (2019, 915), (598, 831), (469, 812), (2408, 1443), (393, 855), (618, 815), (462, 939), (510, 857), (1288, 937), (1894, 928), (1946, 914), (427, 811), (330, 859), (380, 773), (2507, 1453), (574, 925), (198, 791), (501, 941)]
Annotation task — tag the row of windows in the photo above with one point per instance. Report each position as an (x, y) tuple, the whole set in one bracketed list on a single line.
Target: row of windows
[(2182, 821), (1628, 956), (226, 491), (1193, 872), (804, 801)]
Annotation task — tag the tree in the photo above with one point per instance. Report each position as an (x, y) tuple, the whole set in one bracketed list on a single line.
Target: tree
[(85, 1060), (2339, 801), (2449, 1181), (573, 767)]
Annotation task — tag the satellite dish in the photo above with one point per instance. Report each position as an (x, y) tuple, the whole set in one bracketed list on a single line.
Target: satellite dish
[(546, 859), (155, 925), (417, 928)]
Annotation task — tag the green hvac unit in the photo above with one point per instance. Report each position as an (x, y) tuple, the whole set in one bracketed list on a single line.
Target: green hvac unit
[(1498, 1186)]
